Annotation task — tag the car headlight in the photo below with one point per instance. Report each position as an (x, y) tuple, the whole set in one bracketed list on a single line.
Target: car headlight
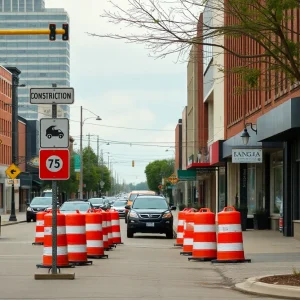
[(29, 209), (133, 214), (167, 215)]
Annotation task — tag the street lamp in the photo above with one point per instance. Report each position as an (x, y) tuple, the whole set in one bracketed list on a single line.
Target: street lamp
[(81, 153), (245, 135)]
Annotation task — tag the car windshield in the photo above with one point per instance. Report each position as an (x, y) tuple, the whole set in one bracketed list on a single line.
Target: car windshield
[(132, 196), (150, 203), (41, 201), (97, 201), (47, 194), (72, 206), (120, 203)]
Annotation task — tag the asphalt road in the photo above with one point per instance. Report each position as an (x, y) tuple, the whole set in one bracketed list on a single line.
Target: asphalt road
[(145, 267)]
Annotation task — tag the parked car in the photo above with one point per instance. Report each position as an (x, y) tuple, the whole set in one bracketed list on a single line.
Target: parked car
[(46, 193), (72, 206), (99, 203), (119, 206), (150, 214), (37, 204)]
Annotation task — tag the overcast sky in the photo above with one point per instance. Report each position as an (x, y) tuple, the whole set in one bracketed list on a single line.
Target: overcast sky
[(126, 88)]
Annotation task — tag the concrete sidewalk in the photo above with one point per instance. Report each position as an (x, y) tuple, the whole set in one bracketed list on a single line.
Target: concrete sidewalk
[(21, 218), (271, 254)]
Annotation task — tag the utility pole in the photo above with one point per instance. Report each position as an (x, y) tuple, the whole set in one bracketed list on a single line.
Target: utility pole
[(81, 158), (97, 150), (89, 139)]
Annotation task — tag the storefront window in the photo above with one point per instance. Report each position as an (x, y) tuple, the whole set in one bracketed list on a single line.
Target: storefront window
[(222, 188), (277, 194), (251, 189)]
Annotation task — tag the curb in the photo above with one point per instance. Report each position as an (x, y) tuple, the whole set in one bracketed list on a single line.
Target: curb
[(252, 285), (14, 223)]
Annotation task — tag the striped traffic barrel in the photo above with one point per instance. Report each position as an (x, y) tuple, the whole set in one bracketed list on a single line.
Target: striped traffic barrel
[(62, 251), (188, 233), (230, 247), (94, 235), (76, 238), (39, 228), (115, 226), (109, 229), (204, 237), (180, 228), (104, 229)]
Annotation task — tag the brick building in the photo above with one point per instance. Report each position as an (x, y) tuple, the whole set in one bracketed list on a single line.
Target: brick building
[(269, 181)]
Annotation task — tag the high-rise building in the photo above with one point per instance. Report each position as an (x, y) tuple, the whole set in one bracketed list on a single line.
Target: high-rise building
[(42, 62)]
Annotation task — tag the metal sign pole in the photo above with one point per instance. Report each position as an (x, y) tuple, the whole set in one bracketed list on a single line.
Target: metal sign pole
[(54, 212)]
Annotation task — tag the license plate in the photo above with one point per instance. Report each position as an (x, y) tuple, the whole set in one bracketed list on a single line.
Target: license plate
[(150, 224)]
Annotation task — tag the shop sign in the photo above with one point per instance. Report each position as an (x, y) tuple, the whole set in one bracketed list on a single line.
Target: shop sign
[(186, 175), (250, 156)]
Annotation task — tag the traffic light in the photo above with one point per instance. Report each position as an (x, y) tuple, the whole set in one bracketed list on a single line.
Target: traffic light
[(65, 36), (52, 35), (133, 163)]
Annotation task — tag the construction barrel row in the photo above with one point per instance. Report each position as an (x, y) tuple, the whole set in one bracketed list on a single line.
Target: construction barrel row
[(79, 236), (203, 240)]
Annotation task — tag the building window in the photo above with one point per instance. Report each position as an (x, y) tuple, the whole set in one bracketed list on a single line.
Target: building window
[(277, 182), (251, 188)]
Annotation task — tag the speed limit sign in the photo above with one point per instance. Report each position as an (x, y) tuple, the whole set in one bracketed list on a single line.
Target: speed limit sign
[(54, 164)]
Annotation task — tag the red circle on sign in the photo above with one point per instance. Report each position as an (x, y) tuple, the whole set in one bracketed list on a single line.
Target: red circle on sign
[(54, 164)]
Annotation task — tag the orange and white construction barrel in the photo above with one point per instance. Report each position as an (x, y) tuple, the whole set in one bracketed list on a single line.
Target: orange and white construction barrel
[(94, 236), (180, 228), (39, 228), (76, 238), (62, 251), (230, 247), (188, 234), (205, 238), (115, 227)]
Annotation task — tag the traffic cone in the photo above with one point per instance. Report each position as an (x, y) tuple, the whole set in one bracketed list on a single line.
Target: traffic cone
[(205, 239), (39, 228), (188, 234), (230, 247)]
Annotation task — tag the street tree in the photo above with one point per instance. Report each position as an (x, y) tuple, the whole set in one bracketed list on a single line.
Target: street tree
[(157, 170), (69, 186), (167, 27), (94, 173)]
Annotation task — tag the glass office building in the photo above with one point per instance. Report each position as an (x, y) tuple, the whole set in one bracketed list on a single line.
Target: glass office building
[(41, 62)]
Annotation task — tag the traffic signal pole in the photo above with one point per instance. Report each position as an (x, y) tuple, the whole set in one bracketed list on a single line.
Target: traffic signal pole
[(51, 31)]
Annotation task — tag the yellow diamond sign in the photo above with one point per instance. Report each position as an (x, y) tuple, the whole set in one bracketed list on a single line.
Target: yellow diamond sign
[(12, 171), (173, 179)]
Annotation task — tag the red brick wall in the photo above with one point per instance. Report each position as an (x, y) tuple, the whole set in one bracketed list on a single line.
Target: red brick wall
[(22, 146), (5, 117), (202, 107), (247, 106), (177, 147)]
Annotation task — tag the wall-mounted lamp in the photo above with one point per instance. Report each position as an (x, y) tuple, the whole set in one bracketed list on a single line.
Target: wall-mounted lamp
[(245, 135)]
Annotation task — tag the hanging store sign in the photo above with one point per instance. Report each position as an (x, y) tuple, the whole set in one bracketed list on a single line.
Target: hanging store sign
[(251, 156)]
